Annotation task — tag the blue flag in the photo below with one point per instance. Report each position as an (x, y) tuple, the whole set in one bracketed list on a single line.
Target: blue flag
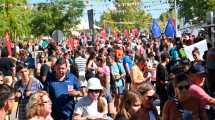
[(170, 30), (155, 28)]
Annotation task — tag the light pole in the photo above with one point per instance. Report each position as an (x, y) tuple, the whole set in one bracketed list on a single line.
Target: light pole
[(176, 16)]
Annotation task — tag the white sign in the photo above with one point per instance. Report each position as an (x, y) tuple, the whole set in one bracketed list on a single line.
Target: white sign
[(202, 46)]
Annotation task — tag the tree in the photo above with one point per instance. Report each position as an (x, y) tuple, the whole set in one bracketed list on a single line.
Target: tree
[(128, 14), (194, 8), (58, 14), (164, 18), (14, 18)]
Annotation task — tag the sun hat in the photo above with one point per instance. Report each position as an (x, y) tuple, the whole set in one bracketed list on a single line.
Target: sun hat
[(94, 84)]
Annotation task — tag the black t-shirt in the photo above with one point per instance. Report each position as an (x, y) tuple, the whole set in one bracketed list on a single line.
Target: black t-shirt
[(6, 65), (161, 74), (44, 70)]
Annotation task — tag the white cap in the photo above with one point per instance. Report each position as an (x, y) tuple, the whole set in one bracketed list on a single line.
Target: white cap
[(94, 84)]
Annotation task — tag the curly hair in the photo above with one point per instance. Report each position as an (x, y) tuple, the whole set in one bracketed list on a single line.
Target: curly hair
[(35, 106)]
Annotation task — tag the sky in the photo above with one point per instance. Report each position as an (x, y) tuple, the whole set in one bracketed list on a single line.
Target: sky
[(153, 7)]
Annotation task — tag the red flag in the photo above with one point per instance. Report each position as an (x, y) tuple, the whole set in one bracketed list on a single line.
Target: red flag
[(103, 32), (70, 43), (126, 33), (8, 43)]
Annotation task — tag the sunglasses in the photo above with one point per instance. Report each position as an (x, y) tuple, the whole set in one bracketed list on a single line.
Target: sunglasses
[(184, 87), (95, 91)]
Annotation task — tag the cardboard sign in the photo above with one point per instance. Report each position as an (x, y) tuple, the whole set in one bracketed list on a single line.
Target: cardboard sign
[(202, 46)]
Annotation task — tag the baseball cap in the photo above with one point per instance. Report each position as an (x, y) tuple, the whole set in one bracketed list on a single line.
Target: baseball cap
[(197, 69)]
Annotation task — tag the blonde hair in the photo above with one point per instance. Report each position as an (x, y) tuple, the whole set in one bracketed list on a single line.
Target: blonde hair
[(35, 104)]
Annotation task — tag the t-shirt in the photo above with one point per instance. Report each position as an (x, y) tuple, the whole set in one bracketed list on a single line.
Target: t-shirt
[(81, 63), (44, 70), (136, 76), (118, 68), (198, 92), (63, 103), (88, 108), (128, 60)]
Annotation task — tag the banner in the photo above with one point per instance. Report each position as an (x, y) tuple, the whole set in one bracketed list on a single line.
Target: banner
[(8, 43), (202, 46)]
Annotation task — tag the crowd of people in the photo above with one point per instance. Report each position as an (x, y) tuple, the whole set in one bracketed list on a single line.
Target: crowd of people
[(113, 79)]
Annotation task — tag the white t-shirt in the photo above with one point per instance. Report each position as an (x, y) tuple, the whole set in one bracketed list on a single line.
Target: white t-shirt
[(88, 108)]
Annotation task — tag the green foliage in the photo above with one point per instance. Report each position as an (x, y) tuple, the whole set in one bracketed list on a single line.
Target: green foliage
[(164, 18), (14, 18), (194, 8), (211, 4), (128, 14), (59, 14)]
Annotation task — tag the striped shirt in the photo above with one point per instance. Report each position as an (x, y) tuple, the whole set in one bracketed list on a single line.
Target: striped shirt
[(81, 63)]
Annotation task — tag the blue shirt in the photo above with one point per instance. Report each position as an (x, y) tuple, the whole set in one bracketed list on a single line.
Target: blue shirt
[(127, 59), (119, 69), (63, 104)]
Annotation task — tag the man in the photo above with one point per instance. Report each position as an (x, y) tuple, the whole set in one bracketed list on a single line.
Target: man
[(161, 79), (25, 87), (6, 100), (197, 77), (137, 77), (128, 64), (47, 68), (62, 87)]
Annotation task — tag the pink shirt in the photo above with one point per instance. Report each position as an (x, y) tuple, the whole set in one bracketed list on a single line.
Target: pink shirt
[(198, 92)]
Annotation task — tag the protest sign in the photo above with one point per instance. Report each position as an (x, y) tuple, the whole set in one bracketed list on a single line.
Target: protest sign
[(202, 46)]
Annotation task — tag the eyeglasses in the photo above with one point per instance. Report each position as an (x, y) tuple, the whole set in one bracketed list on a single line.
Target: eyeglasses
[(151, 97), (184, 87), (95, 91)]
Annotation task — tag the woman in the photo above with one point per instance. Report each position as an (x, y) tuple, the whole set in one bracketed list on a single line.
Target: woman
[(93, 106), (148, 110), (183, 107), (131, 103), (39, 106), (91, 66)]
